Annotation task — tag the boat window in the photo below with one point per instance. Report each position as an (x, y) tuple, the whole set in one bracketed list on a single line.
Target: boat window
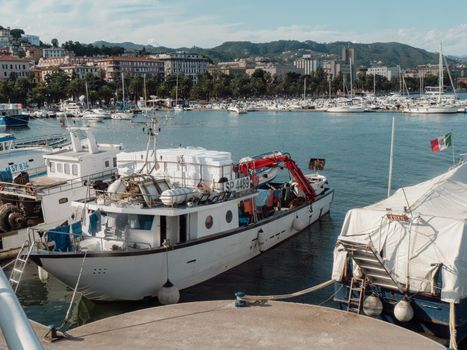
[(59, 168), (228, 216), (140, 222), (209, 221), (67, 168), (1, 146), (107, 163), (74, 169), (115, 162), (52, 167)]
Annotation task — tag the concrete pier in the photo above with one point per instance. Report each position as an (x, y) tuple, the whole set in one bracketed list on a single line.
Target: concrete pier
[(220, 325)]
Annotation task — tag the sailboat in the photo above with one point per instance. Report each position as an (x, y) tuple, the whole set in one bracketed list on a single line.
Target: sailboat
[(122, 114), (429, 106), (348, 106), (91, 114), (177, 107)]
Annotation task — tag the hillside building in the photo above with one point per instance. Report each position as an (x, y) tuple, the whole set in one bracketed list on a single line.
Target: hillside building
[(189, 64), (13, 65), (387, 72), (130, 66)]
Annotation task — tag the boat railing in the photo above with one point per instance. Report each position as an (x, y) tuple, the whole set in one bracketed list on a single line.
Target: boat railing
[(49, 140), (153, 201), (32, 191), (46, 240)]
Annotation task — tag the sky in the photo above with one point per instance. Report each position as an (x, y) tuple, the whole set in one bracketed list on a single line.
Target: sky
[(208, 23)]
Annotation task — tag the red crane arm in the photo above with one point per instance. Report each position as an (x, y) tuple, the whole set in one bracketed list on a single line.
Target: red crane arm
[(273, 161)]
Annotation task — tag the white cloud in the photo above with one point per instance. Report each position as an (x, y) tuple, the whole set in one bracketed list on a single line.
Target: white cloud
[(167, 23)]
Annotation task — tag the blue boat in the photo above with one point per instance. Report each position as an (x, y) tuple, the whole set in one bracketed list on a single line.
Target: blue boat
[(11, 115), (404, 259)]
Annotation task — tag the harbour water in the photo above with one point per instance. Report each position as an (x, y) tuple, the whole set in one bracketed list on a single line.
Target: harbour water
[(356, 149)]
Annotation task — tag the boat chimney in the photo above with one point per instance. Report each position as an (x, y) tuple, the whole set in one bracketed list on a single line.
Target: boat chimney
[(75, 141), (91, 140)]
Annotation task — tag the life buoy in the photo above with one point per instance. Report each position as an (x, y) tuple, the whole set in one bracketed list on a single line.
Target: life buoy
[(29, 187)]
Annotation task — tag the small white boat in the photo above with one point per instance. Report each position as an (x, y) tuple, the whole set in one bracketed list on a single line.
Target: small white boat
[(237, 110), (122, 115), (90, 115)]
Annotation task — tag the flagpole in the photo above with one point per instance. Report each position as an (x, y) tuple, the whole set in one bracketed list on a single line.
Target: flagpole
[(452, 146), (391, 156)]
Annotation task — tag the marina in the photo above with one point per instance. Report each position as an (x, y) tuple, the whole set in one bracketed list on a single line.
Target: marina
[(305, 259)]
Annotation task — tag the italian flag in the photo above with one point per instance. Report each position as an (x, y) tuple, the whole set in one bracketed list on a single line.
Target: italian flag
[(441, 143)]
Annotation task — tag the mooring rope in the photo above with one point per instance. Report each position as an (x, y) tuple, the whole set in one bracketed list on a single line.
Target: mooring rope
[(264, 298), (452, 327)]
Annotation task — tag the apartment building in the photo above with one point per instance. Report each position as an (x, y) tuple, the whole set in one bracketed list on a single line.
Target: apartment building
[(13, 65), (130, 66), (189, 64)]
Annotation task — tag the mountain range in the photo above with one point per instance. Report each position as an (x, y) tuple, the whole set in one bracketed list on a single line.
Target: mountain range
[(390, 54)]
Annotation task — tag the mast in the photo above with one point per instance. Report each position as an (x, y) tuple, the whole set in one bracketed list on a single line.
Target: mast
[(144, 86), (176, 92), (374, 83), (304, 88), (351, 81), (87, 95), (391, 156), (441, 77), (123, 92)]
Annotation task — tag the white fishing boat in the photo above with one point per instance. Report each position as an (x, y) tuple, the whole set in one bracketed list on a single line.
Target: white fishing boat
[(346, 109), (17, 156), (149, 236), (70, 174), (91, 115)]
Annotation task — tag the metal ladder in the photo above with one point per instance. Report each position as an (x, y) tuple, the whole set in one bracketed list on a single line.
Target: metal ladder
[(354, 300), (372, 265), (20, 264)]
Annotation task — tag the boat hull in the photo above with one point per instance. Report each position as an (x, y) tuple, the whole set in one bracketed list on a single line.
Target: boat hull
[(16, 120), (136, 275), (431, 315), (432, 110)]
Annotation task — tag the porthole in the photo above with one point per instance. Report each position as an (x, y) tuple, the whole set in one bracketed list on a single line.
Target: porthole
[(228, 216), (209, 222)]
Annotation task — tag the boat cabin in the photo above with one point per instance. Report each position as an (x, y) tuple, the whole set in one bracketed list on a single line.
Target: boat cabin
[(85, 158), (6, 142)]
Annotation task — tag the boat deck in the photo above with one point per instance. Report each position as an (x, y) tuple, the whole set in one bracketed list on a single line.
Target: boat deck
[(220, 325)]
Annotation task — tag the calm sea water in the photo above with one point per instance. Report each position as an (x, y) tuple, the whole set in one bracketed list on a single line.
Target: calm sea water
[(356, 148)]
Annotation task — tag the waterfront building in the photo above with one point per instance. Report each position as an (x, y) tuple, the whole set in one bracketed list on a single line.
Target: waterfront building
[(53, 52), (69, 59), (308, 64), (189, 64), (388, 72), (239, 66), (332, 68), (31, 39), (348, 54), (428, 69), (13, 65), (130, 66), (80, 71), (275, 69)]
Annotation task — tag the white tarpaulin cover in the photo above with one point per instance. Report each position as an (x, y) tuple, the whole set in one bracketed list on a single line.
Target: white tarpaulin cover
[(433, 238)]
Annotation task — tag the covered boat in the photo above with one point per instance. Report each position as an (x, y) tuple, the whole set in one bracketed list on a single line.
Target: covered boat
[(410, 252)]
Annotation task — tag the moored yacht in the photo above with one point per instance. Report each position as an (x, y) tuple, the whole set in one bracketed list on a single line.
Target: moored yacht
[(12, 115), (201, 216)]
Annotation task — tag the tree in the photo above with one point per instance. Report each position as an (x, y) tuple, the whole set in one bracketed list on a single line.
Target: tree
[(16, 33), (54, 42), (105, 93)]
